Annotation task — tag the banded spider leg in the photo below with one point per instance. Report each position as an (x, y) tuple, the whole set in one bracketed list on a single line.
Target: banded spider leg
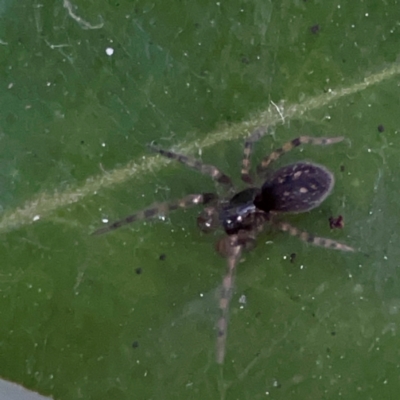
[(288, 146), (231, 247), (311, 239), (160, 209), (206, 169), (235, 251)]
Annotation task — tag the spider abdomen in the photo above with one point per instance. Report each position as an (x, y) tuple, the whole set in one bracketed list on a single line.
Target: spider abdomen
[(295, 188)]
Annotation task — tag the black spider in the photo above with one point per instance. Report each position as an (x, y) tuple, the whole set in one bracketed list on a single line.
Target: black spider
[(295, 188)]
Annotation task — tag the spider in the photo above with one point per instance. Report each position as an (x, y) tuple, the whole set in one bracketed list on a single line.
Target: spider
[(294, 188)]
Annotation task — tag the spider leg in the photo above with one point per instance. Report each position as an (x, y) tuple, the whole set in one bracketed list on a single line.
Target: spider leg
[(206, 169), (295, 143), (232, 247), (208, 220), (315, 240), (248, 149), (230, 243), (160, 209)]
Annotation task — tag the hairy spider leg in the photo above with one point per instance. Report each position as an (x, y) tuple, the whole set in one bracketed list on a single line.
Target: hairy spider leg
[(288, 146), (231, 247), (309, 238), (235, 250), (247, 150), (159, 209), (206, 169)]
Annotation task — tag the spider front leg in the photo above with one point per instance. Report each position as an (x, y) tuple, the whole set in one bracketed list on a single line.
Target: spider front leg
[(291, 145), (308, 238), (159, 209), (231, 247)]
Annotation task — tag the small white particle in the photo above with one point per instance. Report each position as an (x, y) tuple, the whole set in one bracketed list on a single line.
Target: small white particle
[(10, 85), (36, 217), (103, 145), (104, 220), (109, 51), (366, 14), (358, 289)]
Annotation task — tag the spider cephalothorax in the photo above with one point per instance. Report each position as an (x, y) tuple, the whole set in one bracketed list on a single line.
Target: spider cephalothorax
[(294, 188)]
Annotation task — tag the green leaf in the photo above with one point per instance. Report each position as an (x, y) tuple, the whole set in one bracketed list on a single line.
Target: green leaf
[(132, 314)]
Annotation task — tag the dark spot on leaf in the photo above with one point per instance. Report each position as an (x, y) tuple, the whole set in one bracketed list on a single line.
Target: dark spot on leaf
[(315, 29), (336, 223)]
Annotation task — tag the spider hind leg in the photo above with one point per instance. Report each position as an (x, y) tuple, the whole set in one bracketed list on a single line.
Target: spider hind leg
[(288, 146), (309, 238), (247, 150)]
